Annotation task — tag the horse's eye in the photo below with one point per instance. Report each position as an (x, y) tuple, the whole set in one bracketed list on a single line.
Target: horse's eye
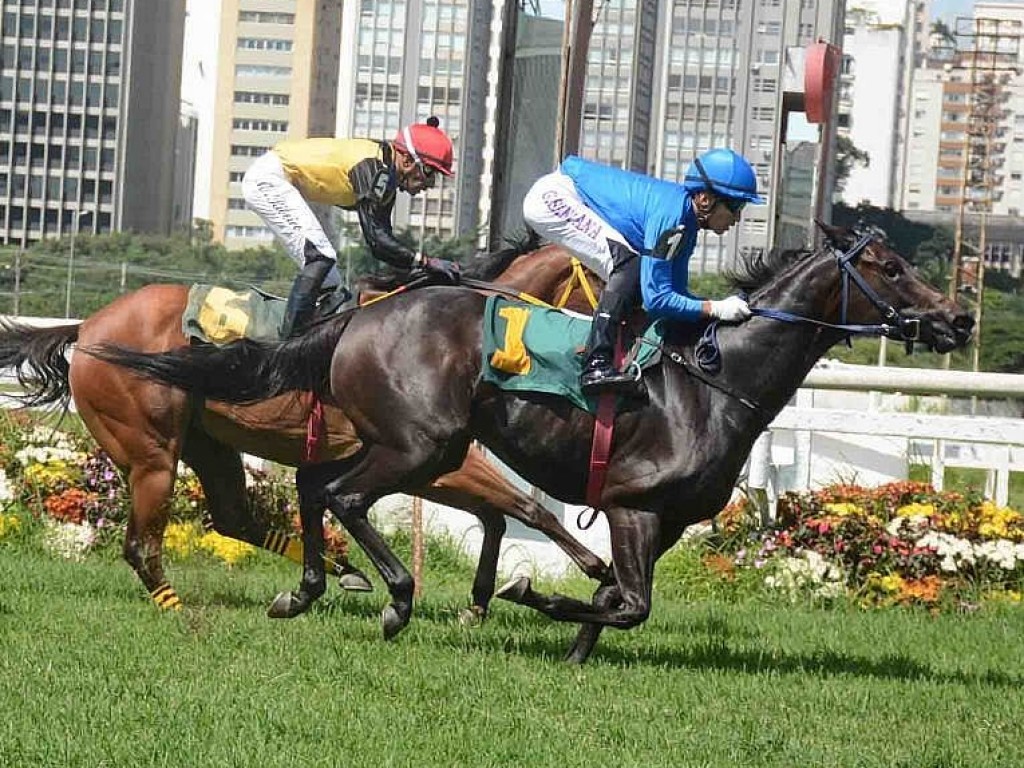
[(892, 269)]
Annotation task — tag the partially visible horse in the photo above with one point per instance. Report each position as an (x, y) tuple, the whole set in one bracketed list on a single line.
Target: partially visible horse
[(409, 374), (147, 427)]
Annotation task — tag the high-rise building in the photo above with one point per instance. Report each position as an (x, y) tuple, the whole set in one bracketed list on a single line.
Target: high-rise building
[(89, 108), (408, 60), (719, 83), (277, 78), (878, 58)]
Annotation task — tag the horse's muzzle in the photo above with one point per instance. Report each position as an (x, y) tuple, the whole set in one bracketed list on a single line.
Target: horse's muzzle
[(945, 330)]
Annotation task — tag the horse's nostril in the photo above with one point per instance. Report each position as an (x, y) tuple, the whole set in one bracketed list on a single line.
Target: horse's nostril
[(963, 322)]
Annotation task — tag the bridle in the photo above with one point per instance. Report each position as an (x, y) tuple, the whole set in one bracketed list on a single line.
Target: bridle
[(896, 325)]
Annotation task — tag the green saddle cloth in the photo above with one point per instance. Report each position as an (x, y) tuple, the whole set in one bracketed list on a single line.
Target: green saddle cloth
[(220, 315), (527, 348)]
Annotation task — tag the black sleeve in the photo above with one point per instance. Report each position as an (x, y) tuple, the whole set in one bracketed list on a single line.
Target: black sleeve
[(375, 222)]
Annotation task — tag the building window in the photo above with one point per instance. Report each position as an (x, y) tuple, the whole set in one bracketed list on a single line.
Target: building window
[(264, 44), (257, 70), (252, 124), (250, 97), (265, 17)]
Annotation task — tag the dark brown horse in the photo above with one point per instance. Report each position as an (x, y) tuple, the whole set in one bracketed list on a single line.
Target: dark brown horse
[(408, 372), (147, 427)]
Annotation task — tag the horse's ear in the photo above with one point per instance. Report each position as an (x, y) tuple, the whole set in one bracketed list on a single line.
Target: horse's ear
[(838, 237)]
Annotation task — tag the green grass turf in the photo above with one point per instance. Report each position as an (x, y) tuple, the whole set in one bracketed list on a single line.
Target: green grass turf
[(91, 675)]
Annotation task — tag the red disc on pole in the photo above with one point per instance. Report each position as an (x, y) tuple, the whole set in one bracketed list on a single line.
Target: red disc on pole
[(821, 68)]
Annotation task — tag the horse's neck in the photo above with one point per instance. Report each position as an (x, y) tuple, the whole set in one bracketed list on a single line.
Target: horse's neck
[(543, 274), (766, 360)]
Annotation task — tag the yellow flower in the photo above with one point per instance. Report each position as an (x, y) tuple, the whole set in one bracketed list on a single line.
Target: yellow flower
[(182, 538), (843, 509), (891, 583), (9, 524), (916, 509), (997, 522), (230, 551)]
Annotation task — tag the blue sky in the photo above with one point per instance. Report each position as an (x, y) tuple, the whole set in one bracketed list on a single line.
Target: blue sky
[(950, 9)]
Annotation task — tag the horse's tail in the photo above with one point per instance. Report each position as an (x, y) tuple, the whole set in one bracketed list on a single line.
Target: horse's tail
[(243, 371), (37, 357)]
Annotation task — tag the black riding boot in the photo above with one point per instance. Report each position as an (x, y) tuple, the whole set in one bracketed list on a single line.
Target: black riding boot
[(613, 309), (302, 300)]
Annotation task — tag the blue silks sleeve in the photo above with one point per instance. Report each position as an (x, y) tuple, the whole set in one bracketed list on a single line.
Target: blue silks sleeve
[(661, 298)]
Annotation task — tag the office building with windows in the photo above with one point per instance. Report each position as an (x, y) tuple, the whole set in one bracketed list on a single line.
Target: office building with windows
[(89, 114), (277, 78)]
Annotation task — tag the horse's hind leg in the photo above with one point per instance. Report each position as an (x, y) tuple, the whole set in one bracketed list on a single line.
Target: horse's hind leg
[(351, 510), (151, 489), (479, 488), (219, 469)]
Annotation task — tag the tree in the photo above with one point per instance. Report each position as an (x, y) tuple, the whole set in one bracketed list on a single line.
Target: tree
[(848, 156)]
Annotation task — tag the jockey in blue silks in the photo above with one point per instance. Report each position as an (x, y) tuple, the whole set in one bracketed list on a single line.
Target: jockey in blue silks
[(609, 217)]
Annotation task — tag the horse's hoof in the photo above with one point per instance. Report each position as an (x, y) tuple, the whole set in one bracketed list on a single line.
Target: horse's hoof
[(473, 616), (391, 621), (515, 590), (354, 581), (286, 605)]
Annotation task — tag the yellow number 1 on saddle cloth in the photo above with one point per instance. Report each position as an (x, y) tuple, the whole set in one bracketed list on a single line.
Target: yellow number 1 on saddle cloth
[(512, 356)]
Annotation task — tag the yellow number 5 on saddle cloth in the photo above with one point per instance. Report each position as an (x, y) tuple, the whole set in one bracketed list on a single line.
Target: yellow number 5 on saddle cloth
[(220, 315)]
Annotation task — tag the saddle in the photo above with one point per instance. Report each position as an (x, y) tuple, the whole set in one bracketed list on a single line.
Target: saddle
[(528, 348), (217, 315)]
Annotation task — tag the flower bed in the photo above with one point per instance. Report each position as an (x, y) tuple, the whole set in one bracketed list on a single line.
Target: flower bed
[(901, 543), (57, 485)]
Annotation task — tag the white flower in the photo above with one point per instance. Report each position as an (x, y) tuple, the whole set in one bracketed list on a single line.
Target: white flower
[(68, 540), (1002, 553), (810, 572), (40, 454), (6, 493), (907, 526)]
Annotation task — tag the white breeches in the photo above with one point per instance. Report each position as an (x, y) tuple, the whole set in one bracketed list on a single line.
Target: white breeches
[(555, 210), (270, 194)]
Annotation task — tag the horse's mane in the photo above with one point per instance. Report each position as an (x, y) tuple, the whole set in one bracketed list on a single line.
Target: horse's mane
[(756, 270), (483, 267), (491, 265)]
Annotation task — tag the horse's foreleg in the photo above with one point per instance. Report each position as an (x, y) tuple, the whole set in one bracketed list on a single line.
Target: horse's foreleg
[(605, 597), (486, 567), (634, 538)]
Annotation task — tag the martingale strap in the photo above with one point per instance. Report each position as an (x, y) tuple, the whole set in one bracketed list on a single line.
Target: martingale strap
[(315, 431), (578, 277), (600, 448)]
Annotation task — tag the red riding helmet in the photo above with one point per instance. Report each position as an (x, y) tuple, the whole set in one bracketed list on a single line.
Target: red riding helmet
[(427, 145)]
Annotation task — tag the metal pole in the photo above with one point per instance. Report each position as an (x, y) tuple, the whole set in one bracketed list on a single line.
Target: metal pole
[(575, 77), (17, 282), (76, 222), (71, 263)]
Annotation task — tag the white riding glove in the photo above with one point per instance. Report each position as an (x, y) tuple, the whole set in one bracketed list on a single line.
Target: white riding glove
[(730, 310)]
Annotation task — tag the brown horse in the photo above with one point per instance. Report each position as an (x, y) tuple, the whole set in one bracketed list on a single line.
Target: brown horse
[(410, 374), (147, 427)]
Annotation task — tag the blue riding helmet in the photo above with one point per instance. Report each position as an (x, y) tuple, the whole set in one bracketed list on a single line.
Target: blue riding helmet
[(725, 173)]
